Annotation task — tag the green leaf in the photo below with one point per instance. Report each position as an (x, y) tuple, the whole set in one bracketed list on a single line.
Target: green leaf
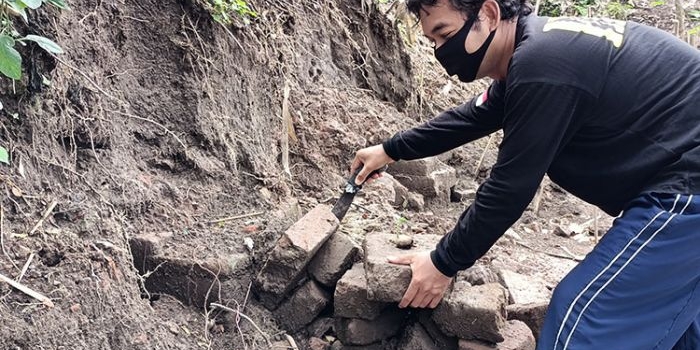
[(657, 3), (10, 60), (18, 7), (4, 156), (45, 43), (694, 30), (32, 4), (59, 3)]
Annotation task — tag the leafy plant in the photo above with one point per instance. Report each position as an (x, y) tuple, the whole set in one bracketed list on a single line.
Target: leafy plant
[(222, 10), (617, 10), (10, 59), (657, 3)]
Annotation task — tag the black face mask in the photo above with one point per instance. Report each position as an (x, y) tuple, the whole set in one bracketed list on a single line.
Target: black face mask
[(456, 60)]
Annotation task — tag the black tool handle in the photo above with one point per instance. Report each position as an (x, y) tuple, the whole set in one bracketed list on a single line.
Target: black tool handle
[(351, 180)]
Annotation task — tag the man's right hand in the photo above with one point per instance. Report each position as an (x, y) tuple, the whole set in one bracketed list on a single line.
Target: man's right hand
[(370, 159)]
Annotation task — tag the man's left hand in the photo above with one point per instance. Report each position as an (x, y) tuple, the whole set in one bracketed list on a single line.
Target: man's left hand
[(428, 284)]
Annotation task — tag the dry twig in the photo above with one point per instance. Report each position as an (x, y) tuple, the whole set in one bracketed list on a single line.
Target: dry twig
[(291, 341), (231, 218), (46, 214), (286, 128), (483, 155), (25, 267), (26, 290)]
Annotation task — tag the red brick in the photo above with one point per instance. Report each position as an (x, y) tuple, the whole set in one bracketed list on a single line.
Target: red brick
[(287, 262)]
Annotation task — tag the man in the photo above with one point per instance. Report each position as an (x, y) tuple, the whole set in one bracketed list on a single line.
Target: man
[(611, 112)]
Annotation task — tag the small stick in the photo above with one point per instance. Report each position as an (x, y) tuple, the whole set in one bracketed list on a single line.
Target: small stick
[(286, 127), (47, 212), (483, 155), (28, 291), (231, 218), (226, 308), (574, 258), (291, 341), (25, 267)]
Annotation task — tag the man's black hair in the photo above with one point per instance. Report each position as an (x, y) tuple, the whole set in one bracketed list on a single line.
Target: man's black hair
[(509, 8)]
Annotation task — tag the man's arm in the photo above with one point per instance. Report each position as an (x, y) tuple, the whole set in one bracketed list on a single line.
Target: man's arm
[(541, 119), (451, 128)]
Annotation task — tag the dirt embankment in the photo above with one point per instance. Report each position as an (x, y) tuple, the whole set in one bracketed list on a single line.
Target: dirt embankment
[(160, 120)]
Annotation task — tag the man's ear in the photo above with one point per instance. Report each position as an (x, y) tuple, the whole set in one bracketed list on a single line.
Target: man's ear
[(490, 14)]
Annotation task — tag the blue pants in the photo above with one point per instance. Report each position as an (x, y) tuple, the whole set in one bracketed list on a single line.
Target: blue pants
[(639, 289)]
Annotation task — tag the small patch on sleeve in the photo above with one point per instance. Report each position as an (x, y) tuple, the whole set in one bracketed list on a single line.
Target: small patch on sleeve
[(482, 98)]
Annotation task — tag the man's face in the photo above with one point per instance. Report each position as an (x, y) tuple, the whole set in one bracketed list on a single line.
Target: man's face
[(442, 21)]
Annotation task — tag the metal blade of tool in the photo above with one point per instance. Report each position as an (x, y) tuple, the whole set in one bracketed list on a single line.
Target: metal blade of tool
[(343, 204)]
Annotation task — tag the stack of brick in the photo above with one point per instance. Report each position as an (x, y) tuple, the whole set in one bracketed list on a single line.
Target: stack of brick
[(298, 277), (313, 268)]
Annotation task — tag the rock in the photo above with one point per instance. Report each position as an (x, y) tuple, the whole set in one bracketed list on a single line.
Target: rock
[(287, 261), (464, 190), (403, 241), (355, 331), (334, 258), (416, 337), (442, 340), (428, 176), (318, 344), (350, 299), (385, 281), (517, 337), (531, 314), (478, 275), (524, 289), (477, 312), (302, 307)]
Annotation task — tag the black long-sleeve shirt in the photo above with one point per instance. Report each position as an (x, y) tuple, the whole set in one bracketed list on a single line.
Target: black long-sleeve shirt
[(607, 109)]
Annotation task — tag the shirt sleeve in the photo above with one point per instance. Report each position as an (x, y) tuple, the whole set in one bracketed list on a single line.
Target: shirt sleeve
[(452, 128), (540, 119)]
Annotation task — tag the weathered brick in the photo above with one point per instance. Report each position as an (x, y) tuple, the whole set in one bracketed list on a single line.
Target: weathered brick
[(517, 337), (351, 300), (403, 197), (478, 274), (334, 258), (429, 177), (302, 307), (287, 261), (524, 289), (477, 312), (355, 331), (463, 191), (415, 337), (320, 327), (388, 282), (442, 340), (531, 314)]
